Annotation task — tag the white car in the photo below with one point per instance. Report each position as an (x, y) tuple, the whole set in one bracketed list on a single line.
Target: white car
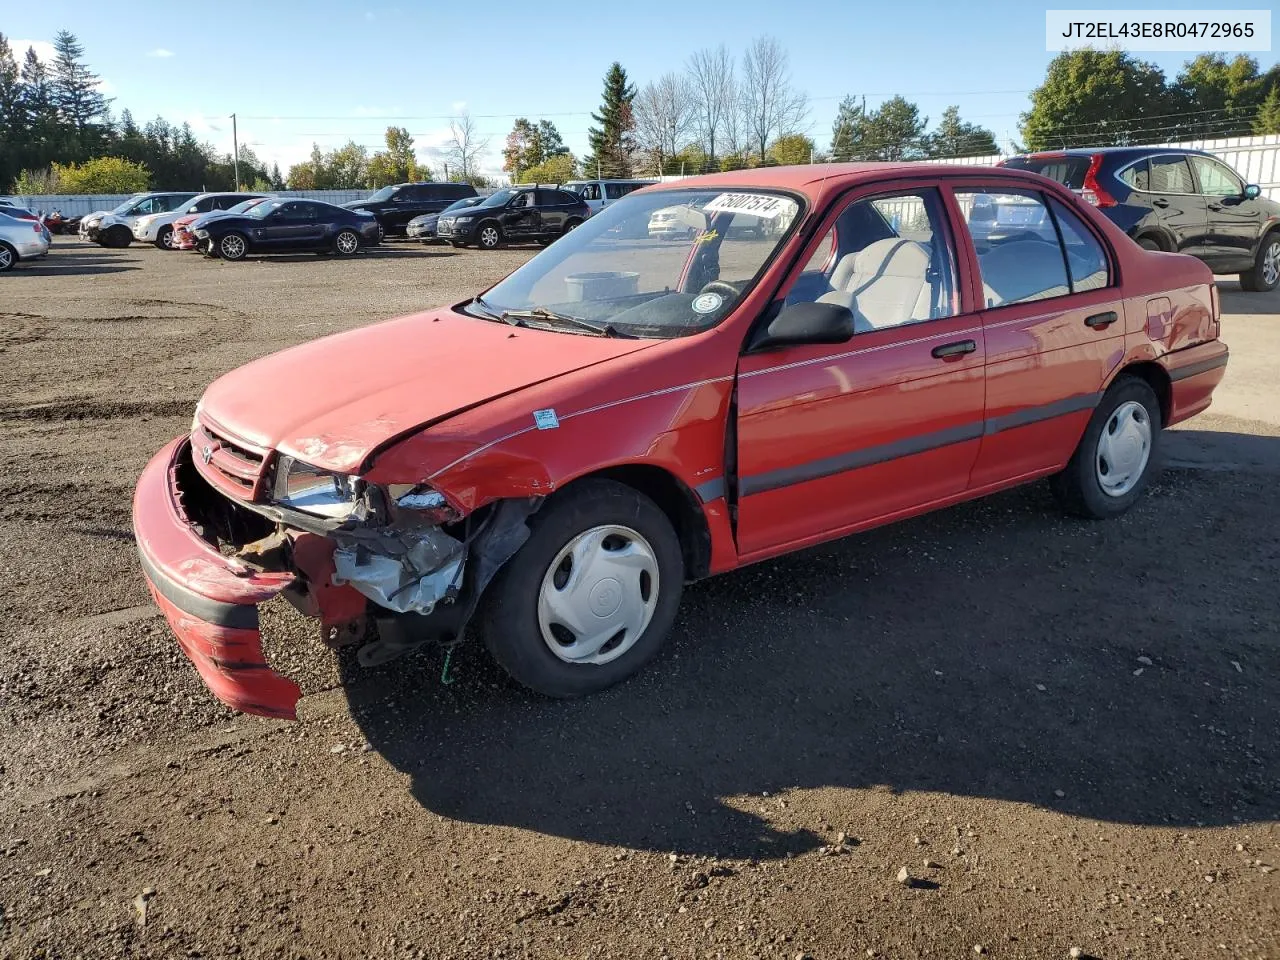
[(115, 229), (600, 193), (157, 228), (21, 240), (672, 223)]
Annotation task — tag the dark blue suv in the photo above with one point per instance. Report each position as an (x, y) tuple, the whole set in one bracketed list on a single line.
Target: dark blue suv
[(1178, 200)]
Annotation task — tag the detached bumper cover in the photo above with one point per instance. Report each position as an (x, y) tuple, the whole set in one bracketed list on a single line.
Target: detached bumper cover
[(210, 601)]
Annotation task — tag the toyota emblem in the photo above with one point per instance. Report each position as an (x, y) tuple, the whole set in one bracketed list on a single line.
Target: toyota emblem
[(206, 453)]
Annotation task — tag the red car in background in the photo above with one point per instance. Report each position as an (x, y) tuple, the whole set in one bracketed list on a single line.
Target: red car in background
[(555, 458), (184, 237)]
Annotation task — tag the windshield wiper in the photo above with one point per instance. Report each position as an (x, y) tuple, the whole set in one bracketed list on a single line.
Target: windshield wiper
[(486, 311), (516, 317)]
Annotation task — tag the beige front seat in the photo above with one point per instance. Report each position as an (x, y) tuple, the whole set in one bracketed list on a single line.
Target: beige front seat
[(1022, 270), (885, 284)]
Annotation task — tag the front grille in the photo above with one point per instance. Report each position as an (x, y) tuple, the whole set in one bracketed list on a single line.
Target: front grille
[(232, 466)]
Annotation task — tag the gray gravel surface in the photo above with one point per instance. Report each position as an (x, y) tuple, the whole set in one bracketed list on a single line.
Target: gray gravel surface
[(1065, 733)]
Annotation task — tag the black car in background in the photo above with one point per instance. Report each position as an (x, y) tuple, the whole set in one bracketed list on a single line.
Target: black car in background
[(396, 205), (279, 226), (515, 215), (424, 227), (1186, 201)]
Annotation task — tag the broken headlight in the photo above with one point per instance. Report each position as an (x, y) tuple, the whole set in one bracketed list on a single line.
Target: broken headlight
[(301, 486), (421, 499)]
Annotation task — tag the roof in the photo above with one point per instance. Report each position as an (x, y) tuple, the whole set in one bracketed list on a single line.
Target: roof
[(1090, 151), (807, 178)]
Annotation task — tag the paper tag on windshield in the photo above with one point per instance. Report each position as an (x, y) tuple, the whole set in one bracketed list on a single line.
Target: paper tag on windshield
[(760, 205)]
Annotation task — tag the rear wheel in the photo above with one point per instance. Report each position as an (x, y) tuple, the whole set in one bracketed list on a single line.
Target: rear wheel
[(590, 597), (1146, 243), (346, 243), (572, 224), (1117, 455), (1265, 274), (8, 257), (164, 239), (233, 246), (489, 236)]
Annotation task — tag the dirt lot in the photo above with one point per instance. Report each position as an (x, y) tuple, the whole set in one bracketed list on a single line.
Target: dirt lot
[(1068, 733)]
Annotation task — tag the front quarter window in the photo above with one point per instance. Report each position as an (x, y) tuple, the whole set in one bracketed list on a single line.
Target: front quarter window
[(662, 264)]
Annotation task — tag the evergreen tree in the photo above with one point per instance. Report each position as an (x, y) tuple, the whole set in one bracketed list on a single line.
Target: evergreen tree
[(13, 120), (277, 181), (75, 93), (849, 131), (550, 141), (38, 106), (612, 143), (895, 131), (955, 138), (1268, 119)]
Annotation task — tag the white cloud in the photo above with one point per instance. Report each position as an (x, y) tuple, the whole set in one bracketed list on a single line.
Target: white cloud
[(161, 52), (458, 106), (44, 50)]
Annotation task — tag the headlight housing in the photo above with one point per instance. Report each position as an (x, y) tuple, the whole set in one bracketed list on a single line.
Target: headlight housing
[(422, 500), (464, 219), (309, 489)]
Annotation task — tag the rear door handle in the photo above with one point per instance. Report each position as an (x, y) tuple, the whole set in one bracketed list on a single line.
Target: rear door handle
[(1100, 321), (1160, 202), (959, 348)]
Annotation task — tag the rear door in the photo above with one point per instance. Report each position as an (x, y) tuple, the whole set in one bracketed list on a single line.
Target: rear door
[(832, 438), (1053, 324), (1178, 207), (1234, 222)]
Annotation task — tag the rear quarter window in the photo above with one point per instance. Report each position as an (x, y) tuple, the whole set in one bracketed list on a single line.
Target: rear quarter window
[(1068, 171), (1137, 175)]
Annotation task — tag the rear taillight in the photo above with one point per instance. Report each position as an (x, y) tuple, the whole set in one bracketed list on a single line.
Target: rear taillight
[(36, 227), (1214, 303), (1092, 191)]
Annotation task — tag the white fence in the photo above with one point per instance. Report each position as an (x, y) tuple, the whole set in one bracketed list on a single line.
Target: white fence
[(79, 205)]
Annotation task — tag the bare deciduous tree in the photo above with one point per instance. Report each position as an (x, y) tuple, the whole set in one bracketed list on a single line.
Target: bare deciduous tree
[(664, 113), (715, 92), (771, 106), (464, 146)]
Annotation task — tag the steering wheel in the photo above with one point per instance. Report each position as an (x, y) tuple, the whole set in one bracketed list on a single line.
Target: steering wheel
[(726, 290)]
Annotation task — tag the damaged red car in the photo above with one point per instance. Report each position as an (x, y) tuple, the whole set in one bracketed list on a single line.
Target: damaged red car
[(548, 463)]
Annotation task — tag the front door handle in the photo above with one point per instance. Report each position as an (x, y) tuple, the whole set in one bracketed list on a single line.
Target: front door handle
[(1100, 321), (957, 349)]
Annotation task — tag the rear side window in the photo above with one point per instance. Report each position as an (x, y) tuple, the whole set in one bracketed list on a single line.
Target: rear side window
[(1137, 176), (591, 191), (613, 191), (204, 206), (1171, 175), (1086, 260), (566, 199), (1068, 171), (1018, 251)]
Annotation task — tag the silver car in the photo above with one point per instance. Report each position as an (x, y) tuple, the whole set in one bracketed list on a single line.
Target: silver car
[(115, 228), (21, 240)]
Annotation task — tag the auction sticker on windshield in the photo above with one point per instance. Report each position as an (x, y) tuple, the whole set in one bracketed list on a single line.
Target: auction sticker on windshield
[(757, 204)]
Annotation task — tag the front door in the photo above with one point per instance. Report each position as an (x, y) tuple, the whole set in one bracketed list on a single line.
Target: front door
[(520, 218), (1234, 221), (838, 437), (293, 226)]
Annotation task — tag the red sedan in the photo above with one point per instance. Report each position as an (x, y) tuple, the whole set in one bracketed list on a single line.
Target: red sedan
[(551, 461)]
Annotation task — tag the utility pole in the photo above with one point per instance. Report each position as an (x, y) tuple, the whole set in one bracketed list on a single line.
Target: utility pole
[(235, 144)]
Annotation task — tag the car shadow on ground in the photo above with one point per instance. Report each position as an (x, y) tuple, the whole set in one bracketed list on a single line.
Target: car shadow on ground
[(1236, 300), (83, 261), (1123, 671)]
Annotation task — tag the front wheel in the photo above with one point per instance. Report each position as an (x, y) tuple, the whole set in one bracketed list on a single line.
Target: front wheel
[(1146, 243), (489, 237), (164, 239), (590, 597), (8, 257), (1265, 274), (233, 247), (1117, 455), (117, 237), (346, 243), (572, 224)]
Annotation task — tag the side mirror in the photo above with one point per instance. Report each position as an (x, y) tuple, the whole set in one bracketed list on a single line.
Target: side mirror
[(1252, 192), (806, 323)]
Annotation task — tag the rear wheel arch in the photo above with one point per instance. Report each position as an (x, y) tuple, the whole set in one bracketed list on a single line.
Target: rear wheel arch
[(1156, 237), (1156, 377)]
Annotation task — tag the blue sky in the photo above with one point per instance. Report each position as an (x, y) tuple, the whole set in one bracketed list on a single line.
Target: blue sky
[(352, 68)]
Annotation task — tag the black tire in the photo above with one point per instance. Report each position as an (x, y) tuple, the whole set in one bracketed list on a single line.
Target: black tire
[(164, 239), (346, 243), (489, 236), (1255, 280), (1146, 243), (1078, 488), (232, 246), (572, 224), (8, 257), (117, 237), (509, 617)]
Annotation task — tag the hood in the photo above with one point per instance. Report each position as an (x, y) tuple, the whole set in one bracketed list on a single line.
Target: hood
[(360, 204), (334, 401)]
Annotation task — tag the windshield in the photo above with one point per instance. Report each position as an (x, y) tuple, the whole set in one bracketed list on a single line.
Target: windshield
[(498, 199), (244, 205), (461, 204), (573, 186), (383, 194), (264, 208), (655, 265), (127, 205)]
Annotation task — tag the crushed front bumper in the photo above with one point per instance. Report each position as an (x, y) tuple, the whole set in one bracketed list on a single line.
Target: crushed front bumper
[(210, 600)]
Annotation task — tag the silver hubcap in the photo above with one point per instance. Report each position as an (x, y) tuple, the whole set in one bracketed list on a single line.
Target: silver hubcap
[(489, 237), (1123, 449), (1271, 264), (232, 247), (347, 242), (168, 239), (6, 258), (598, 595)]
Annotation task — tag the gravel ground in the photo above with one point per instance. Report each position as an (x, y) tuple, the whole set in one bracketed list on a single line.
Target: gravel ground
[(1066, 734)]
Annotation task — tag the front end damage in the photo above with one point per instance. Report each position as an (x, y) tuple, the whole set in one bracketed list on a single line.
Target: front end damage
[(396, 570)]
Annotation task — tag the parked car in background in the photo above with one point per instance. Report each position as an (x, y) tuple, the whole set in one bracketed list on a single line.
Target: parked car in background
[(115, 228), (20, 239), (285, 225), (600, 193), (424, 227), (561, 453), (1184, 201), (13, 209), (185, 239), (687, 220), (396, 205), (157, 228), (519, 214)]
